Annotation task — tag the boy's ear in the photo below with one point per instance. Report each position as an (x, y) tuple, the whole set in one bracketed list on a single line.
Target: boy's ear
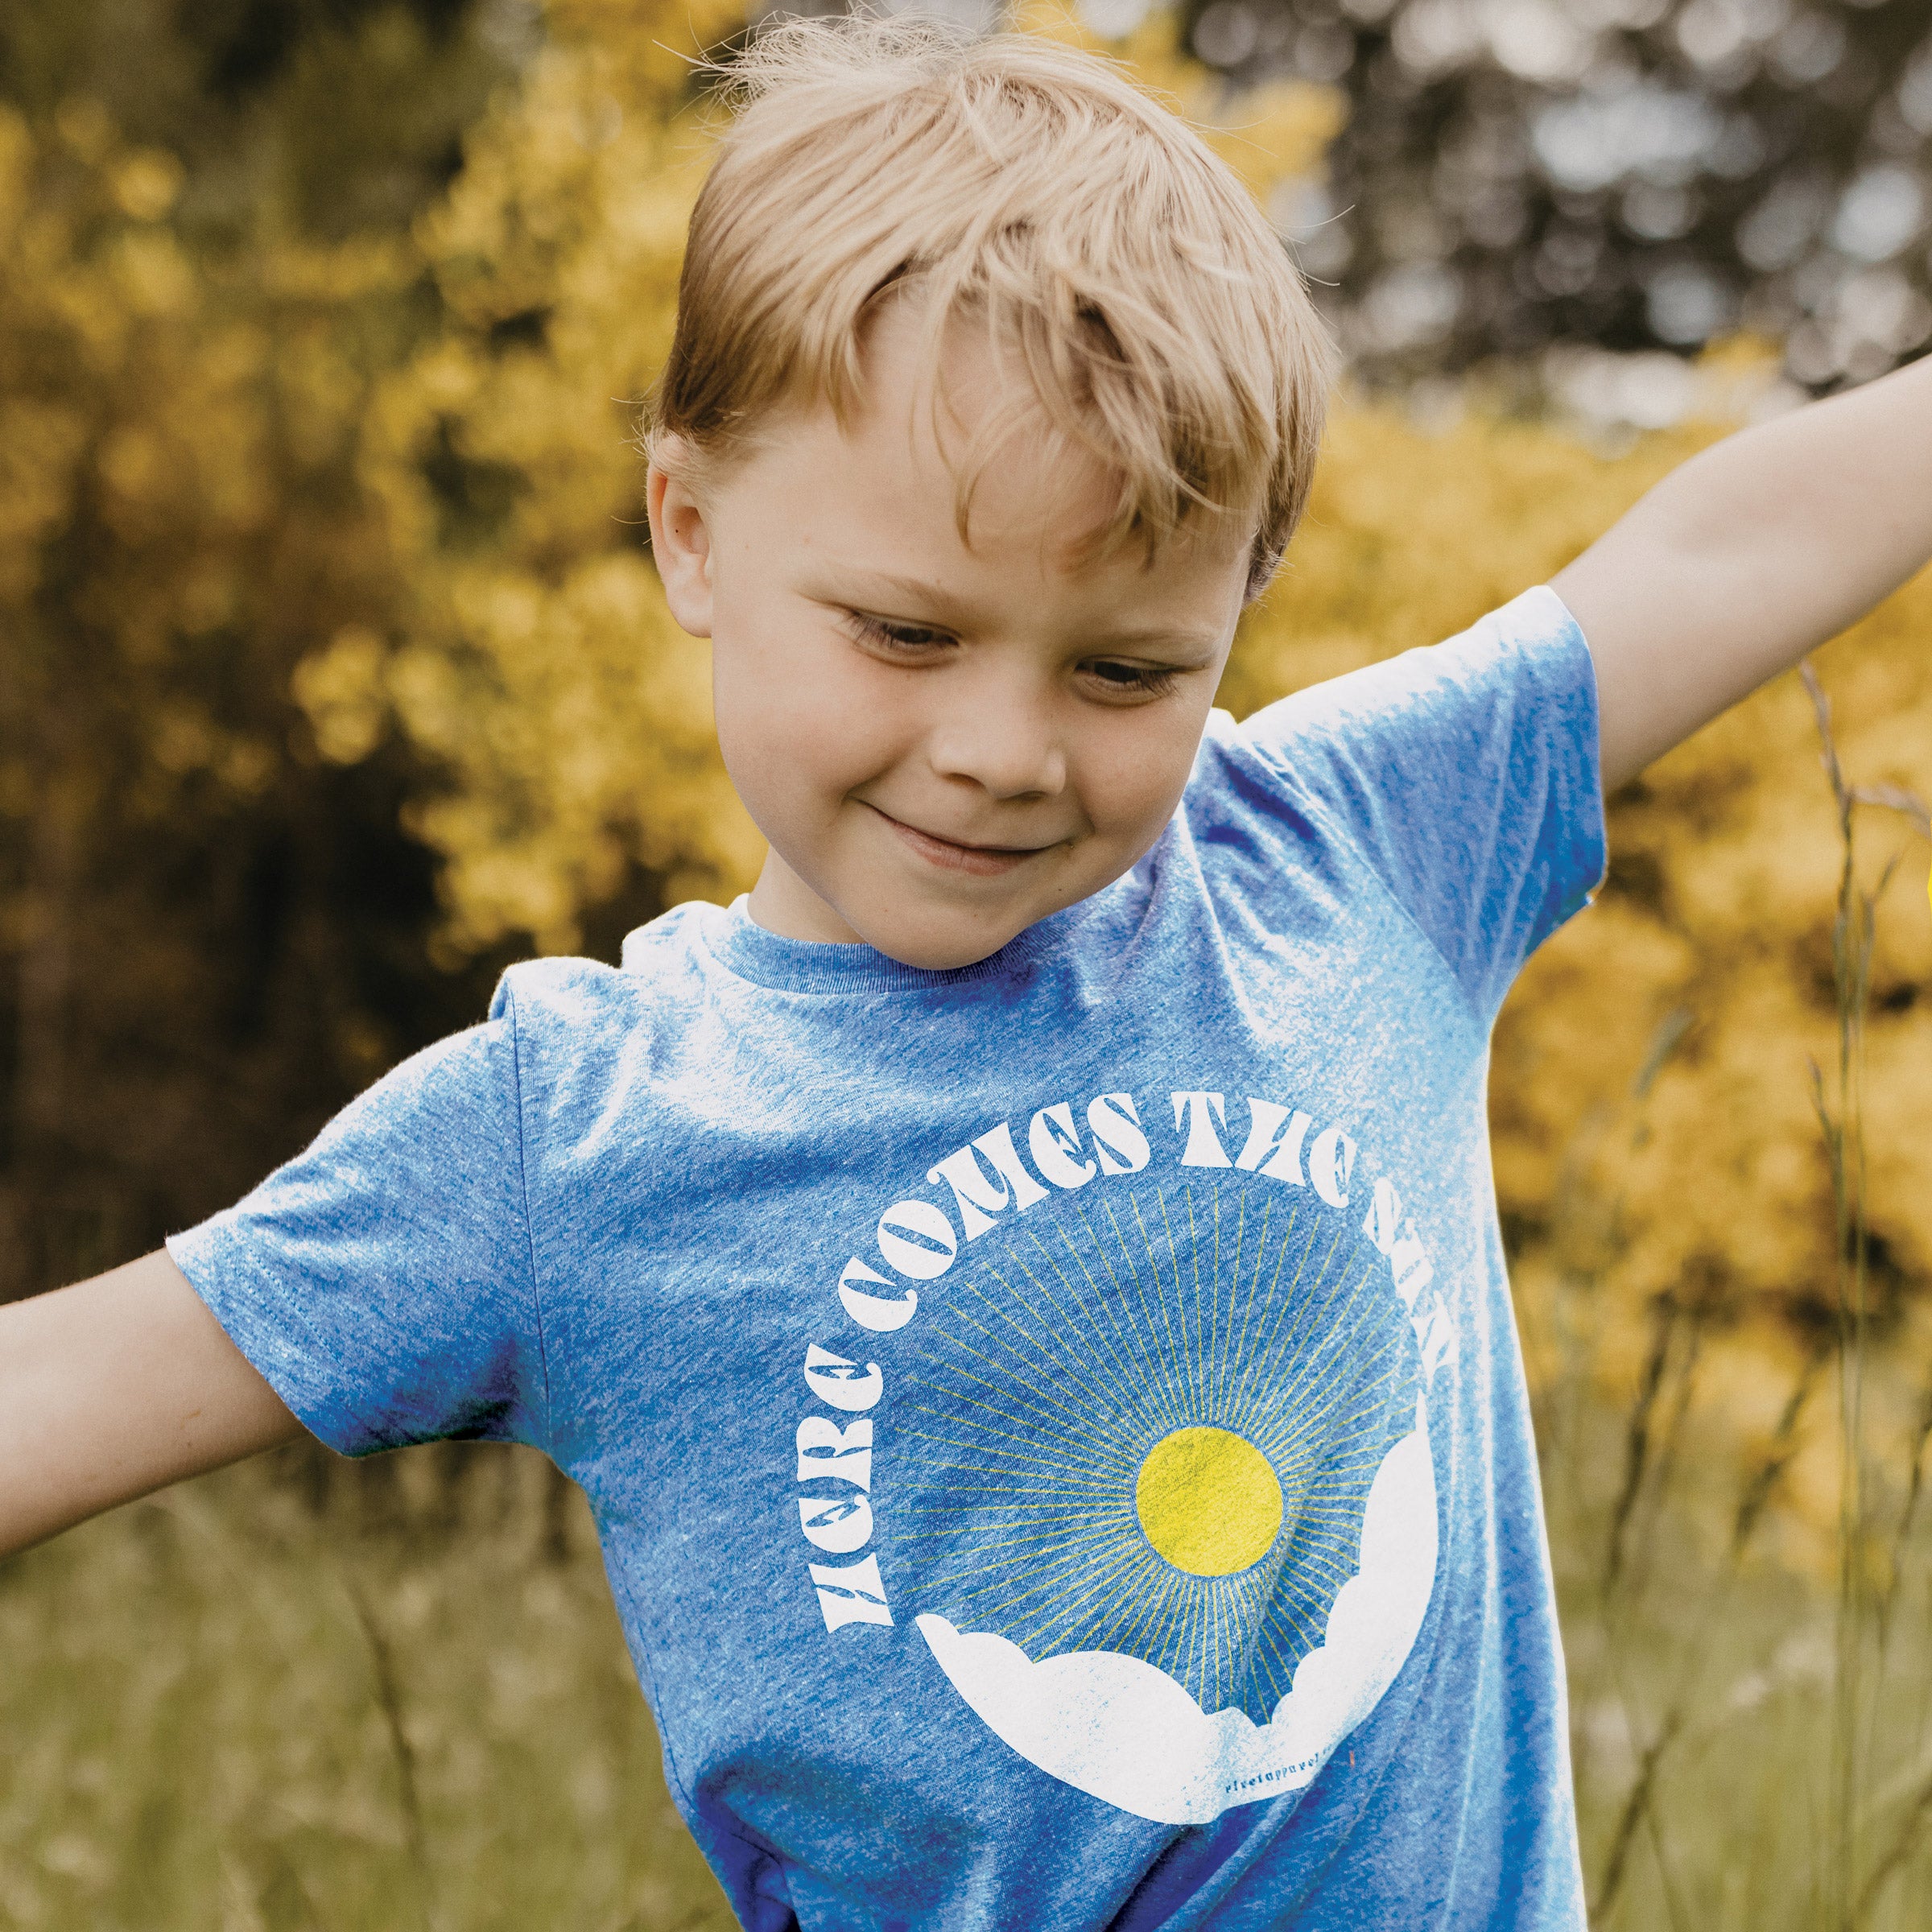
[(680, 540)]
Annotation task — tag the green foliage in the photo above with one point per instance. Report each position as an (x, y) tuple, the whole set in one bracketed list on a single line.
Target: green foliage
[(332, 116), (1492, 196)]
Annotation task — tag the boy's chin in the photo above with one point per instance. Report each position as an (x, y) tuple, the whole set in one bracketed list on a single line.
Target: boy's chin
[(933, 954), (942, 941)]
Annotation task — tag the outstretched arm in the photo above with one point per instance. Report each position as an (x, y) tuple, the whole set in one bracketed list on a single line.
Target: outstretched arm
[(116, 1387), (1747, 556)]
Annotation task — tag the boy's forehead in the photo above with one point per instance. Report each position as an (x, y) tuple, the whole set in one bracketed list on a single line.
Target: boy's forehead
[(880, 509), (879, 491)]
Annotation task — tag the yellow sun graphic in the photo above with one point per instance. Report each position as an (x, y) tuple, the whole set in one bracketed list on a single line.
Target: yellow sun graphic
[(1147, 1423), (1208, 1502)]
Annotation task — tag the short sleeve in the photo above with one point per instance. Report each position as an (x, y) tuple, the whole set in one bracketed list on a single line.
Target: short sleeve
[(1467, 773), (382, 1280)]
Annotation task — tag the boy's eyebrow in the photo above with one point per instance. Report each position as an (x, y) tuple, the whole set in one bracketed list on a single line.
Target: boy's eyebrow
[(945, 606)]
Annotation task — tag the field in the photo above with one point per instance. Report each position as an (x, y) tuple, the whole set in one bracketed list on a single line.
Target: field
[(337, 674), (299, 1698), (308, 1696)]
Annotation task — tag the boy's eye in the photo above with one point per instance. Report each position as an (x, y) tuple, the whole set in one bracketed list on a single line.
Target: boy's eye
[(1130, 680), (883, 633), (1113, 677)]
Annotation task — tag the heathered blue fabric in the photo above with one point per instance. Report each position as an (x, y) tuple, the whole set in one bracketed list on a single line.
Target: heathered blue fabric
[(1191, 1177)]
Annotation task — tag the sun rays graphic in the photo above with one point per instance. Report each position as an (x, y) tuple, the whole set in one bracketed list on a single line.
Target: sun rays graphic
[(1148, 1425)]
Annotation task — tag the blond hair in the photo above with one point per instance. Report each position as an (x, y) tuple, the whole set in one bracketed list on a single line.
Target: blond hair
[(1158, 317)]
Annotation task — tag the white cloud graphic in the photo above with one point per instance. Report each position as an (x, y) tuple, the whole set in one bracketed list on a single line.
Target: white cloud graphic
[(1124, 1731)]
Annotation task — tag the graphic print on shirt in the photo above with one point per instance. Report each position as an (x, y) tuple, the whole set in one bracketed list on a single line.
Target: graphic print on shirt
[(1165, 1500)]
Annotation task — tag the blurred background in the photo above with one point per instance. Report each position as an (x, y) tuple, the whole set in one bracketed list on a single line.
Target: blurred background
[(333, 676)]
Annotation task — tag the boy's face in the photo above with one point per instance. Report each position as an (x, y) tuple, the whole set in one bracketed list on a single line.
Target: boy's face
[(942, 745)]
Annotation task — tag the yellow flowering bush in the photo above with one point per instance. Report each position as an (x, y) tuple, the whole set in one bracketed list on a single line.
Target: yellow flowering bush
[(537, 664)]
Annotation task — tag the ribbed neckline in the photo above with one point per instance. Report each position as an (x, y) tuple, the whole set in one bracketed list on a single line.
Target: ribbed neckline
[(768, 959)]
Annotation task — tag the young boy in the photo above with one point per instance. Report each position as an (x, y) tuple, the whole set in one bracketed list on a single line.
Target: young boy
[(1020, 1290)]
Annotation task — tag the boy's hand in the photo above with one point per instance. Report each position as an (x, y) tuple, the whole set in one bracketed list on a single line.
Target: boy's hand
[(117, 1387), (1747, 556)]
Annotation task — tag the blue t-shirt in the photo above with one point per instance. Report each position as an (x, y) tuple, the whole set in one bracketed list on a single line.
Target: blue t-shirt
[(1056, 1427)]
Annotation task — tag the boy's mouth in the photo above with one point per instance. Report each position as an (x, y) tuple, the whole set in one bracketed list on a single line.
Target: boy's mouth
[(955, 855)]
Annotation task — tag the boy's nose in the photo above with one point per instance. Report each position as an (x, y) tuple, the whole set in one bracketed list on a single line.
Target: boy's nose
[(1007, 748)]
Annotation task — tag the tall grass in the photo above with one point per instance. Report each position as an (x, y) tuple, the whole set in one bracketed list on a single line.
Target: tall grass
[(1751, 1737), (300, 1697), (296, 1698)]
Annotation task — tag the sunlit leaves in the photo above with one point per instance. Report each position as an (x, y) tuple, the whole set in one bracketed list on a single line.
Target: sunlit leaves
[(537, 666)]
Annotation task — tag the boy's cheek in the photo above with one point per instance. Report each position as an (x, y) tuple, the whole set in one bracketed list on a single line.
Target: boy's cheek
[(793, 773), (1131, 783)]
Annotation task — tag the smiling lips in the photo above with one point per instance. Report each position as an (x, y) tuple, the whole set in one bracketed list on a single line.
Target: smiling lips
[(982, 861)]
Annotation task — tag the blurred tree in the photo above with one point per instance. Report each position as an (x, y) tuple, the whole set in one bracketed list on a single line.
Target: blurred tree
[(211, 935), (1653, 1121), (539, 665), (392, 472), (341, 115), (1631, 174), (539, 668)]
